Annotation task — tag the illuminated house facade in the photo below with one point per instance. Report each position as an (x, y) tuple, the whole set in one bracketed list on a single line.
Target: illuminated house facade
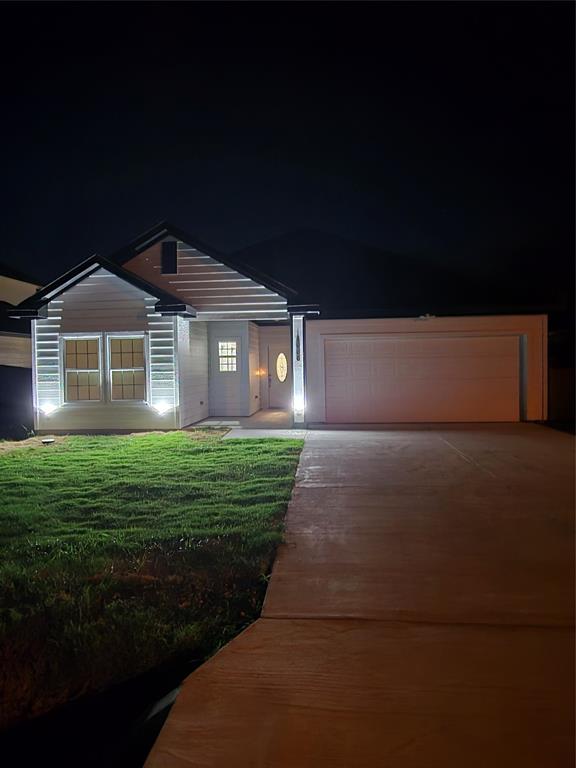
[(166, 333)]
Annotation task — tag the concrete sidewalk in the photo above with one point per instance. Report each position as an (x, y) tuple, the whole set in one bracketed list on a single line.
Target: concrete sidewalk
[(420, 613)]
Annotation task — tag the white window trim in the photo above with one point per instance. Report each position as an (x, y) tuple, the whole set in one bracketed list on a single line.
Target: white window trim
[(80, 337), (228, 340), (109, 369)]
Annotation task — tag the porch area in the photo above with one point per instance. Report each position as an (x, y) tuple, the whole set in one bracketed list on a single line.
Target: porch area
[(268, 422)]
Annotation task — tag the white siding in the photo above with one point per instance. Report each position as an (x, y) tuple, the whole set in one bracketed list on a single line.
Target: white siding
[(216, 291), (192, 370), (99, 304)]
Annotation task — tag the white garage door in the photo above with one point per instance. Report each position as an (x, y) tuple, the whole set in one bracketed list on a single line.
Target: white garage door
[(379, 379)]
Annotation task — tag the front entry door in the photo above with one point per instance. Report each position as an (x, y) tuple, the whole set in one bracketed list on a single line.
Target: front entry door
[(279, 376)]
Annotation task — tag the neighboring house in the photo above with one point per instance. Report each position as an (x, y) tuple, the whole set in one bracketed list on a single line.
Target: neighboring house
[(167, 332), (15, 348), (15, 355)]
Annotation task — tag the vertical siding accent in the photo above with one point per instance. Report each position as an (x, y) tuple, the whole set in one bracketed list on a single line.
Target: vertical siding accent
[(193, 370), (46, 359), (162, 365)]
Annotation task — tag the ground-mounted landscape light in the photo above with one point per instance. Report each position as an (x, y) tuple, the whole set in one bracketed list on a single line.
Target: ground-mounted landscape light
[(48, 408), (162, 407)]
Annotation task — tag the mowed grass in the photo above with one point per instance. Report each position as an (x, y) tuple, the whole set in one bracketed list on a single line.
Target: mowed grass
[(120, 553)]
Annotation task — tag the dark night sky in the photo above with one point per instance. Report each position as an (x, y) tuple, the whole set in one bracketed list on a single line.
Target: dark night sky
[(417, 128)]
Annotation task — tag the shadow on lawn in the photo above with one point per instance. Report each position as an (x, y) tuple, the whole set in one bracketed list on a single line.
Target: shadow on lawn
[(115, 729)]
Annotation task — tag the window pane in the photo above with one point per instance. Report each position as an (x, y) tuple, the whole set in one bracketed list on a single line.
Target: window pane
[(82, 369), (126, 356)]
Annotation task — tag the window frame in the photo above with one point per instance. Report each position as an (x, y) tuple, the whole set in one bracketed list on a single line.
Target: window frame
[(123, 335), (64, 368), (228, 340)]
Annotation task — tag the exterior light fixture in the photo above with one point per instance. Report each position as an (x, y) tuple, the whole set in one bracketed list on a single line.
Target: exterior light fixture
[(48, 408), (298, 404), (162, 407)]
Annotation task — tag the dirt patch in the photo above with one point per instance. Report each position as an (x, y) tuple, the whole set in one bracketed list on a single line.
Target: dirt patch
[(30, 442)]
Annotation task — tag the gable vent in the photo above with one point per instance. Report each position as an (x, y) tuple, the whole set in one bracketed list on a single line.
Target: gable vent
[(169, 257)]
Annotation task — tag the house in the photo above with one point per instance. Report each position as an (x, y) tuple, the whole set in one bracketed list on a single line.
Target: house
[(167, 332), (15, 355), (15, 349)]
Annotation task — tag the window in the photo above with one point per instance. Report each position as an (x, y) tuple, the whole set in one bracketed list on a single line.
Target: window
[(82, 369), (281, 367), (127, 371), (227, 356), (169, 264)]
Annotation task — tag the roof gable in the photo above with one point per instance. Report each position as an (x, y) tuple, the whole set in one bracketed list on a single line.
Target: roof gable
[(165, 230), (33, 306)]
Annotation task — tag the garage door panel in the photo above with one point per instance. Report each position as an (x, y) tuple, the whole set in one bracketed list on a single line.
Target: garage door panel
[(424, 380), (457, 368)]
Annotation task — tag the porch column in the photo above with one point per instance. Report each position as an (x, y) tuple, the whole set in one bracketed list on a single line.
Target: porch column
[(298, 371)]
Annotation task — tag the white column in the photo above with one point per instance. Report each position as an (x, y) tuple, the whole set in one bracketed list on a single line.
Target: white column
[(298, 382)]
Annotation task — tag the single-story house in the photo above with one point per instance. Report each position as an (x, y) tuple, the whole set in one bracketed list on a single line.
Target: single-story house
[(167, 332)]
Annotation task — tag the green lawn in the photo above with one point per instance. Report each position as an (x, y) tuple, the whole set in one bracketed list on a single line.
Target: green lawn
[(118, 553)]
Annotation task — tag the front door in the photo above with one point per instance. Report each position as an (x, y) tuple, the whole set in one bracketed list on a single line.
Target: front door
[(279, 376)]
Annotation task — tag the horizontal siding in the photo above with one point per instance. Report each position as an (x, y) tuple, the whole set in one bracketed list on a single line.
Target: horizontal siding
[(216, 291), (193, 371), (104, 303), (15, 351)]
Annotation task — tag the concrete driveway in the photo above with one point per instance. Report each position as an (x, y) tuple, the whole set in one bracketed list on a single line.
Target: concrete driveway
[(420, 613)]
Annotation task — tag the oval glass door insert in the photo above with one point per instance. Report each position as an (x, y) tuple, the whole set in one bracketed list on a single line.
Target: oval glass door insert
[(281, 367)]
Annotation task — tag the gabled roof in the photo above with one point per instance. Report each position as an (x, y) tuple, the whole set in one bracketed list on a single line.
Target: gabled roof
[(165, 229), (32, 306), (15, 274)]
